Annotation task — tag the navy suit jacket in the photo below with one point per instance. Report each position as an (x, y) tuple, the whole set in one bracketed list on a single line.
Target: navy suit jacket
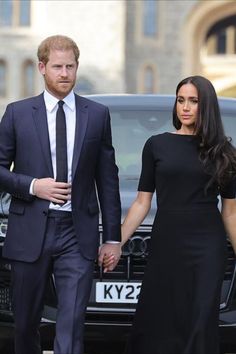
[(24, 141)]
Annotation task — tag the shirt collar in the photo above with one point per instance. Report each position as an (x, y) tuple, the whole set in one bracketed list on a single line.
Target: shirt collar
[(51, 101)]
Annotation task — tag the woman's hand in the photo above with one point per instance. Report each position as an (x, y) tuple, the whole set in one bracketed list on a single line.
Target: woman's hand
[(108, 262), (106, 251)]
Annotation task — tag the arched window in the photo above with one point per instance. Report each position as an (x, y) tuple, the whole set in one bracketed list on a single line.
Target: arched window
[(28, 82), (150, 18), (221, 37), (15, 13), (3, 78), (149, 80)]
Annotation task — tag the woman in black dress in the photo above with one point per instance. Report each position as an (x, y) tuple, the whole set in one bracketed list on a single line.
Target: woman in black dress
[(178, 307)]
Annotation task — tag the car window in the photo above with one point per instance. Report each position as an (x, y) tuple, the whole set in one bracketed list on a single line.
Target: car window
[(229, 122), (130, 130)]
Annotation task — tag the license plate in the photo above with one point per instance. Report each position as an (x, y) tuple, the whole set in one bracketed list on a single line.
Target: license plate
[(116, 292)]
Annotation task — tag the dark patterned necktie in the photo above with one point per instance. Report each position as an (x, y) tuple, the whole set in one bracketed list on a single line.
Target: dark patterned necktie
[(61, 144)]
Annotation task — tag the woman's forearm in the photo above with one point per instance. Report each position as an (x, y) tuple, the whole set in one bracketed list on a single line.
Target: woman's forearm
[(136, 214), (230, 226), (229, 219)]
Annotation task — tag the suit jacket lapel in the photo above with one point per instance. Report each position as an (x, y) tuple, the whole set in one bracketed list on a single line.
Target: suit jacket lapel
[(40, 119), (80, 129)]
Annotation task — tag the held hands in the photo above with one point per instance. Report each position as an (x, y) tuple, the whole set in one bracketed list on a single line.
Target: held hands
[(109, 255), (49, 189), (109, 262)]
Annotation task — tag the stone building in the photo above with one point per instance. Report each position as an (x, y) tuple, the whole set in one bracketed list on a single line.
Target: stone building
[(96, 26), (169, 40), (128, 46)]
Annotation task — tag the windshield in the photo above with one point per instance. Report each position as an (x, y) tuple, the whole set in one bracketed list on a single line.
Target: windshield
[(130, 130)]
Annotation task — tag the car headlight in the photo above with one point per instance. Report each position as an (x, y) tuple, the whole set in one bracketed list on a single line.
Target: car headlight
[(3, 227)]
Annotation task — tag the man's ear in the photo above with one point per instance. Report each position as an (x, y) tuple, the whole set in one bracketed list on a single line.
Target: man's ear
[(41, 67)]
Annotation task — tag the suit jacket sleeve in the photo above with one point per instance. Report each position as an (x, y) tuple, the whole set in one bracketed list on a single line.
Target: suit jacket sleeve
[(16, 184), (108, 186)]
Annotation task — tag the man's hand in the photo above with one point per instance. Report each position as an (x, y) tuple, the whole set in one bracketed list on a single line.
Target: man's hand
[(111, 251), (49, 189)]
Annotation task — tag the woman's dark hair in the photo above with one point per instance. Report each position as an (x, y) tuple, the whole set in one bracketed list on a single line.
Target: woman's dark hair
[(216, 152)]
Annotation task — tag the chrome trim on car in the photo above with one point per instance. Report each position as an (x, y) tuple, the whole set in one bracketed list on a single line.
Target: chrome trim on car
[(110, 309), (227, 325), (110, 324), (137, 246)]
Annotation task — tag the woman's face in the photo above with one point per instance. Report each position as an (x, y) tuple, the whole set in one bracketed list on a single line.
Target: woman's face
[(187, 105)]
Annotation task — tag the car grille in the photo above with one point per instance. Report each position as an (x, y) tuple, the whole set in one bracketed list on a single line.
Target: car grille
[(5, 301), (230, 264), (134, 258), (130, 267)]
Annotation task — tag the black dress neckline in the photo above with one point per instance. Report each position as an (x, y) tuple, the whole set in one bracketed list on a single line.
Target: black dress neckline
[(187, 135)]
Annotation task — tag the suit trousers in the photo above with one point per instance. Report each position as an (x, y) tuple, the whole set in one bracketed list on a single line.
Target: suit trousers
[(73, 279)]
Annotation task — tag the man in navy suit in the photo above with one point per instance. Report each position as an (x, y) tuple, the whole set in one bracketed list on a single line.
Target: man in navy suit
[(53, 224)]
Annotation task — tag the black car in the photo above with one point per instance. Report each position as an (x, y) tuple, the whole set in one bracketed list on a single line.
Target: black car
[(114, 295)]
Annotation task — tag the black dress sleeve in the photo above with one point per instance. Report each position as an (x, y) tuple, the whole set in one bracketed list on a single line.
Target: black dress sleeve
[(147, 177), (229, 191)]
